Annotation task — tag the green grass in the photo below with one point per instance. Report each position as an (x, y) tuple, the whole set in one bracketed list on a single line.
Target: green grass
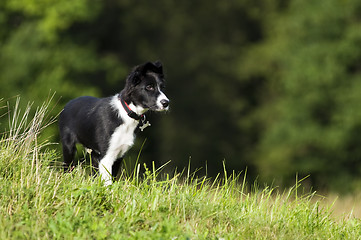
[(38, 201)]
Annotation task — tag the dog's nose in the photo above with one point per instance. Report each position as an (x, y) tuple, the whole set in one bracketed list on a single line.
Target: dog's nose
[(165, 103)]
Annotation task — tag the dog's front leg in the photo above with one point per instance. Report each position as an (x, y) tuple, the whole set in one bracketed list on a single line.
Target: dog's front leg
[(105, 169)]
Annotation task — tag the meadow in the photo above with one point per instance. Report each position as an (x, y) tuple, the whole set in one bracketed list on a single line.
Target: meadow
[(39, 201)]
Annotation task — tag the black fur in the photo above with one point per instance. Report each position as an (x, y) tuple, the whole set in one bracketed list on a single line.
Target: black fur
[(91, 121)]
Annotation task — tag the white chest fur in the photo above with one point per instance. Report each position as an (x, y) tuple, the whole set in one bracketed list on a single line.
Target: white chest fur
[(121, 140)]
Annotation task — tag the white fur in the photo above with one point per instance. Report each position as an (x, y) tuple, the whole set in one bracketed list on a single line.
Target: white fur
[(161, 97), (121, 140)]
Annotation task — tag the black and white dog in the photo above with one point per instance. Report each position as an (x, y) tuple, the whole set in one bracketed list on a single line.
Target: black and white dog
[(107, 125)]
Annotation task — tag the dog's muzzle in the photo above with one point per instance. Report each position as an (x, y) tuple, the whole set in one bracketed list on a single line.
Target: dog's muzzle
[(165, 103), (162, 102)]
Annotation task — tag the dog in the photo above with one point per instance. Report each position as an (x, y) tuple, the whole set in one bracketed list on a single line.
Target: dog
[(107, 126)]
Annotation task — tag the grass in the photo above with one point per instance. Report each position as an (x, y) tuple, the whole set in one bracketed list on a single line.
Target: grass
[(38, 201)]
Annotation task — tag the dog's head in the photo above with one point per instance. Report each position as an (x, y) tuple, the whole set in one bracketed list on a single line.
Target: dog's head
[(144, 87)]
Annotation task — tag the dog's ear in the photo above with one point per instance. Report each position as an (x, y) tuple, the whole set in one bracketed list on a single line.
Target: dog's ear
[(135, 77), (159, 65), (140, 70), (148, 66), (155, 67)]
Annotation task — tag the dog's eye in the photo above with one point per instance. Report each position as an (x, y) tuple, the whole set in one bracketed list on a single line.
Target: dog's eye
[(150, 88)]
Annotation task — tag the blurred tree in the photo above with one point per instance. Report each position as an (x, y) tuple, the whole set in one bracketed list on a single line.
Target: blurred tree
[(87, 47), (311, 59), (38, 55), (272, 85)]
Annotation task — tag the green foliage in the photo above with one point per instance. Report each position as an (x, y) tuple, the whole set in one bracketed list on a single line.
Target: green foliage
[(54, 16), (38, 201), (311, 121), (37, 58), (271, 85)]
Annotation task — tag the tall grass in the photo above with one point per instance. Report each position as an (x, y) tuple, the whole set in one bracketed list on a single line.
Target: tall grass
[(40, 202)]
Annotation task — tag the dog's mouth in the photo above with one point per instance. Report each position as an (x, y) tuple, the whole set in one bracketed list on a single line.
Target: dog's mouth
[(160, 106), (162, 109), (157, 108)]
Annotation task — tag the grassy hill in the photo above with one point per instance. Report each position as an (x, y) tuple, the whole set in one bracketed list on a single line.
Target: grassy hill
[(38, 201)]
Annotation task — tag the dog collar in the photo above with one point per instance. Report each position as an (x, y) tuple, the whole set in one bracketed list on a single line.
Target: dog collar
[(141, 118), (129, 111)]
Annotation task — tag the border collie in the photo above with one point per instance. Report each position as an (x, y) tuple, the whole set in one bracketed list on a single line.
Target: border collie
[(107, 126)]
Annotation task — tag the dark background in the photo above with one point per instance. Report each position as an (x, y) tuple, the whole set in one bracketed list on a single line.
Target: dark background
[(271, 86)]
